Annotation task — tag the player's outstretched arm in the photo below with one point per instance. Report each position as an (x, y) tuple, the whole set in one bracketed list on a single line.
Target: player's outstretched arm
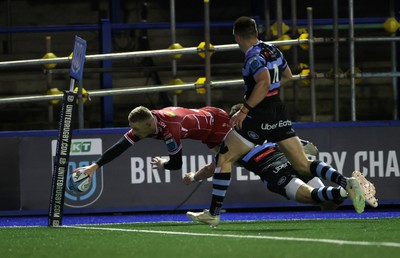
[(114, 151), (110, 154), (205, 172), (174, 162)]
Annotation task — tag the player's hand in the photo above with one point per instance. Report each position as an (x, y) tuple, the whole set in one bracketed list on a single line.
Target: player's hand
[(89, 170), (237, 120), (158, 162), (188, 178)]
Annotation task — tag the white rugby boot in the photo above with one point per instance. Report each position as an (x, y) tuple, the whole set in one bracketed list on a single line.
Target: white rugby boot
[(367, 188), (204, 217), (354, 192)]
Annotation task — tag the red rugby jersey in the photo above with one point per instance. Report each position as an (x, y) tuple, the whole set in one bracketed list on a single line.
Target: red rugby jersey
[(208, 125)]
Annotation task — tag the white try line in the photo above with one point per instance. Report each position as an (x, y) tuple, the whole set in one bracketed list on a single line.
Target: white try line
[(298, 239)]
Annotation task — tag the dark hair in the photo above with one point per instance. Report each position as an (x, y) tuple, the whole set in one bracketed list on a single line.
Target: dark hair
[(245, 27)]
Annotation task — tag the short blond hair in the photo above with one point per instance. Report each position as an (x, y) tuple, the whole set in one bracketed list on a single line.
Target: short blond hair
[(139, 114)]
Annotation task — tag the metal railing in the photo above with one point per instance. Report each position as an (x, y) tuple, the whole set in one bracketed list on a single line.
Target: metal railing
[(231, 47)]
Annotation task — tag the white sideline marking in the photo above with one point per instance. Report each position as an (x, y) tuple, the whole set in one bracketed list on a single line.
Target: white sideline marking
[(299, 239)]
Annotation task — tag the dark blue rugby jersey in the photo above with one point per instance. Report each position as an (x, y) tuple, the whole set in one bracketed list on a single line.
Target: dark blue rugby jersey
[(263, 56), (262, 156)]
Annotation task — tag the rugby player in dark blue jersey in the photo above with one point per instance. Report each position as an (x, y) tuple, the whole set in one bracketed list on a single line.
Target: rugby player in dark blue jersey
[(278, 175), (264, 117)]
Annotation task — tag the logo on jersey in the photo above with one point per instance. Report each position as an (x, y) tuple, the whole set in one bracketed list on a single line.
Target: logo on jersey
[(171, 144), (253, 135), (280, 124), (278, 168), (281, 180), (254, 65)]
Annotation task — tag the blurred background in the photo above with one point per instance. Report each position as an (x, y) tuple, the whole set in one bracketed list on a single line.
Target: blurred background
[(44, 29)]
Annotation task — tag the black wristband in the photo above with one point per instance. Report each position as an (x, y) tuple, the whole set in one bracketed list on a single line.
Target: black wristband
[(247, 106)]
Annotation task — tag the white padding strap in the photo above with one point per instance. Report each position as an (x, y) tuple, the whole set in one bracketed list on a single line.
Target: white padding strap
[(292, 187), (315, 183), (244, 140)]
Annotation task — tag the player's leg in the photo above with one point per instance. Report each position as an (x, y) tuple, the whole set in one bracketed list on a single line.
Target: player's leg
[(326, 197), (316, 182), (351, 184), (328, 193), (295, 154), (297, 190), (233, 147)]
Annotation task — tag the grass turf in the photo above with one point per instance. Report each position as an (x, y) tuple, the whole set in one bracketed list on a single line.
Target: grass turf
[(289, 238)]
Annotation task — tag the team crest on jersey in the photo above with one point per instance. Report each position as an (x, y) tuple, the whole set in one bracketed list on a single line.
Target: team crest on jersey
[(254, 64), (171, 144), (281, 180), (253, 135)]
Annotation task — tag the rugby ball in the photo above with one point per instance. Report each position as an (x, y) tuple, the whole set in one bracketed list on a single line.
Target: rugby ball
[(79, 182)]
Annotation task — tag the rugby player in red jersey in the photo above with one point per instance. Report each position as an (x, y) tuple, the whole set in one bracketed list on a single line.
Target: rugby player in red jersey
[(171, 124)]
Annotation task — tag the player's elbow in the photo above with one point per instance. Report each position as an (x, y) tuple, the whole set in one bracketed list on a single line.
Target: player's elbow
[(287, 73), (289, 76)]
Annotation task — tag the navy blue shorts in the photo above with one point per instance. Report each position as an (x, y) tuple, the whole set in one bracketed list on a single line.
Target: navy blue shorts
[(277, 176), (270, 123)]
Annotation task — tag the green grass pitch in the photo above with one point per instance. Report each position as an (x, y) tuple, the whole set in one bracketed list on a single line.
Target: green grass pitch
[(355, 238)]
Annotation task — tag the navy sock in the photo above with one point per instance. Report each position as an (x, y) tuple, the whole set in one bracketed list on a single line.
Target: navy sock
[(327, 193), (324, 171), (221, 182)]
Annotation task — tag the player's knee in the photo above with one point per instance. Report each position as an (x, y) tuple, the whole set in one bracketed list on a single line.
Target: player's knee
[(226, 158), (292, 188)]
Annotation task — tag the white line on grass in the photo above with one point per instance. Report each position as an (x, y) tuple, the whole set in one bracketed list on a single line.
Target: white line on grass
[(299, 239)]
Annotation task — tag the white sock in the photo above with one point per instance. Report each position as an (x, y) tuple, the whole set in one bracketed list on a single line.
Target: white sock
[(343, 192)]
